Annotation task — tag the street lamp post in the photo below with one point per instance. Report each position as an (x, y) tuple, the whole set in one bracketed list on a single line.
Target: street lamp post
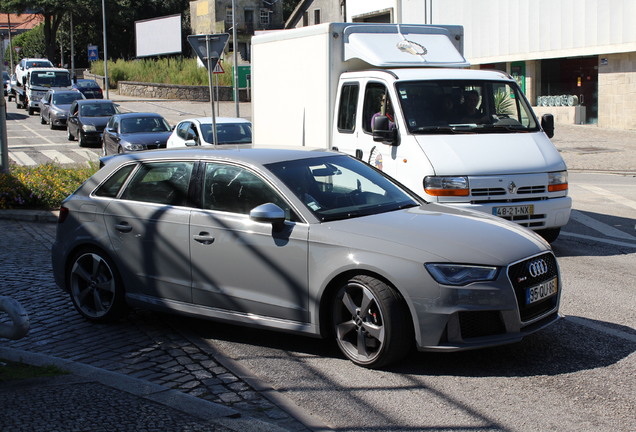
[(105, 50)]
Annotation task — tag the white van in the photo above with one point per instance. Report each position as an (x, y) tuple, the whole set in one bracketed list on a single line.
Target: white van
[(400, 98)]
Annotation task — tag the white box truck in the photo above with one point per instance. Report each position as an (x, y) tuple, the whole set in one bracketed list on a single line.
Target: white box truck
[(401, 98)]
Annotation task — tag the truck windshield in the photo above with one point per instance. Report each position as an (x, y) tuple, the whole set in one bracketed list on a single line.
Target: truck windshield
[(465, 106), (50, 79)]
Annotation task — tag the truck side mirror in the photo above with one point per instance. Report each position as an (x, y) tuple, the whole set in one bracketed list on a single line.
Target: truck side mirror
[(382, 132), (547, 124)]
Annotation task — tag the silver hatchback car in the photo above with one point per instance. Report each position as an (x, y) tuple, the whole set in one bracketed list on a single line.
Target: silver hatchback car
[(309, 242)]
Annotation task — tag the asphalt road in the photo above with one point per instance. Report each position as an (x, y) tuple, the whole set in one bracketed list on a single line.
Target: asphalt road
[(577, 375)]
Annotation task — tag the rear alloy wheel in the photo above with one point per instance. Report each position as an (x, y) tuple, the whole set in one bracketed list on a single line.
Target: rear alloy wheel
[(371, 322), (95, 287)]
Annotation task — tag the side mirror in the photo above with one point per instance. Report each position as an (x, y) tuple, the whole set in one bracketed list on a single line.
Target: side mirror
[(191, 143), (269, 213), (383, 133), (547, 124)]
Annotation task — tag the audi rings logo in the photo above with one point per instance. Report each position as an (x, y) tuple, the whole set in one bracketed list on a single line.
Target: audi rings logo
[(537, 268)]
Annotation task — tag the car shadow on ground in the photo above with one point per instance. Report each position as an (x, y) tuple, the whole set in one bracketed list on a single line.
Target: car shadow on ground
[(17, 116), (563, 348)]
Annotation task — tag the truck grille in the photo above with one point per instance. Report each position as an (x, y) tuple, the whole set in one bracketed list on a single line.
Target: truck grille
[(521, 279), (524, 190)]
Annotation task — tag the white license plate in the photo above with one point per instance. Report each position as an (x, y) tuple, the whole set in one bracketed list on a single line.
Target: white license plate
[(524, 210), (541, 291)]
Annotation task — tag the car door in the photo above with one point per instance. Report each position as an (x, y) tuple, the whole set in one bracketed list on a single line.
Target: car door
[(72, 122), (110, 138), (244, 266), (148, 226), (45, 104)]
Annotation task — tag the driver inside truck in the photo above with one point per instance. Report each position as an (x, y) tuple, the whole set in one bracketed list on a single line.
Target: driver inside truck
[(385, 109)]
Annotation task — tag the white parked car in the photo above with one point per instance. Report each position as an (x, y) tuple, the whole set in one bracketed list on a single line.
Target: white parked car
[(25, 64), (198, 132)]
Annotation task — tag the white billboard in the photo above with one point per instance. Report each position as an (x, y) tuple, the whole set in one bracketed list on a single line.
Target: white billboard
[(158, 36)]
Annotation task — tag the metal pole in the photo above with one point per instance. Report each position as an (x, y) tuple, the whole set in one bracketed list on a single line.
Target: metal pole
[(4, 146), (210, 77), (10, 46), (72, 50), (235, 47), (105, 50)]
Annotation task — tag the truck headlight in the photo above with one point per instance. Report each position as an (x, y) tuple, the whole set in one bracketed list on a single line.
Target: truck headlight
[(446, 186), (461, 274), (557, 181)]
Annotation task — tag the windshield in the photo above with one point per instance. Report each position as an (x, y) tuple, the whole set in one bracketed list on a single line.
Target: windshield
[(144, 124), (228, 133), (98, 110), (50, 79), (66, 98), (465, 106), (341, 187)]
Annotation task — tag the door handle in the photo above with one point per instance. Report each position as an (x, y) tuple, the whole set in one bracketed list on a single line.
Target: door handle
[(204, 237), (123, 227)]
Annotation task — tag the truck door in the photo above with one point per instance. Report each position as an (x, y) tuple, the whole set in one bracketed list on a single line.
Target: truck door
[(358, 104)]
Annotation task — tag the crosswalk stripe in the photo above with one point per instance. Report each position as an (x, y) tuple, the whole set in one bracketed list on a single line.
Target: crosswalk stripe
[(57, 156), (87, 154), (21, 158)]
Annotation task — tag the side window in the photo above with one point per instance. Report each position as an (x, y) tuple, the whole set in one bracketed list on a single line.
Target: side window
[(160, 182), (110, 188), (348, 107), (237, 190), (376, 102)]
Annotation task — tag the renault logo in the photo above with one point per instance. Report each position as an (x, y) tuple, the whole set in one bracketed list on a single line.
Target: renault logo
[(537, 268), (512, 188)]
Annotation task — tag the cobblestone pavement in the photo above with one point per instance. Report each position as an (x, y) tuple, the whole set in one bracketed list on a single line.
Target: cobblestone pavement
[(148, 346)]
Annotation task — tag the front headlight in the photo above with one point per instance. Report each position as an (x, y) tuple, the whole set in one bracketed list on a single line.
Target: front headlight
[(446, 186), (134, 147), (89, 128), (461, 274), (557, 181)]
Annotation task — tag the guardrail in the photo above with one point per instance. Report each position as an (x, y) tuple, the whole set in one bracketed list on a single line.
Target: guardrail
[(19, 326)]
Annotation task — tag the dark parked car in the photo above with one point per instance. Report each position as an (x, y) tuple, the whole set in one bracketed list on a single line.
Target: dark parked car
[(134, 132), (311, 242), (89, 88), (87, 120), (55, 104), (6, 79)]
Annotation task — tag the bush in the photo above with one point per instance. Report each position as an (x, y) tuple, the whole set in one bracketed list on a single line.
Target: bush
[(42, 187), (177, 71)]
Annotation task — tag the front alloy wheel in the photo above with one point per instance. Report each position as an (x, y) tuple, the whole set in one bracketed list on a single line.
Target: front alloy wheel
[(371, 322), (95, 287)]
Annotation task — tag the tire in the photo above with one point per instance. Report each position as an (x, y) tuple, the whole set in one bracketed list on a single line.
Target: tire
[(51, 124), (82, 140), (69, 135), (30, 110), (371, 322), (550, 235), (95, 287), (42, 121)]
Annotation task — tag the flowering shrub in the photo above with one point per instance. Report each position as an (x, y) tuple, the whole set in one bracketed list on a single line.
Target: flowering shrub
[(41, 187)]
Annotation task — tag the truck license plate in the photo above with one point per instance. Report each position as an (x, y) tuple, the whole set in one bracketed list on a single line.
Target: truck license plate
[(523, 210), (541, 291)]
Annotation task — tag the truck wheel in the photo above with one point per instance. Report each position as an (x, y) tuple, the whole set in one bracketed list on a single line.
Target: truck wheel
[(30, 110), (550, 235), (371, 322)]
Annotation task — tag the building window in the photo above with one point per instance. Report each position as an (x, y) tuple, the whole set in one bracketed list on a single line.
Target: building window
[(228, 15), (264, 17), (305, 19), (317, 16)]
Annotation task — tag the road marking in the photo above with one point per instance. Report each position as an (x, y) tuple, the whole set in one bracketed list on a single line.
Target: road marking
[(610, 331), (598, 239), (87, 154), (601, 227), (38, 134), (57, 156), (611, 196), (21, 158)]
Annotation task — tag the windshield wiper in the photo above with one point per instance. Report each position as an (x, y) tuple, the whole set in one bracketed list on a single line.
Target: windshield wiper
[(445, 129)]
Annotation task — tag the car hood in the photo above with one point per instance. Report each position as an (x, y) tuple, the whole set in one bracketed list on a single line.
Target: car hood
[(487, 154), (146, 137), (95, 121), (435, 232), (63, 107)]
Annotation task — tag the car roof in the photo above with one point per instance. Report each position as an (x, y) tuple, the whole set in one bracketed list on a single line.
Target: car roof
[(208, 120), (252, 156), (138, 114), (95, 101)]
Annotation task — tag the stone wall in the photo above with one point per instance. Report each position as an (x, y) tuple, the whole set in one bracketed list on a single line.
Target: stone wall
[(172, 91), (617, 91)]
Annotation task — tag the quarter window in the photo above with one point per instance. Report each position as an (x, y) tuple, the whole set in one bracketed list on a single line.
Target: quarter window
[(347, 108)]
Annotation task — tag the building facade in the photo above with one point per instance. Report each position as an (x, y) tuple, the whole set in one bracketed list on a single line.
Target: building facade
[(215, 16)]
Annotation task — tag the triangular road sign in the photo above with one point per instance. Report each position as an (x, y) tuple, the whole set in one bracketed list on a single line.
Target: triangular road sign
[(209, 47)]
